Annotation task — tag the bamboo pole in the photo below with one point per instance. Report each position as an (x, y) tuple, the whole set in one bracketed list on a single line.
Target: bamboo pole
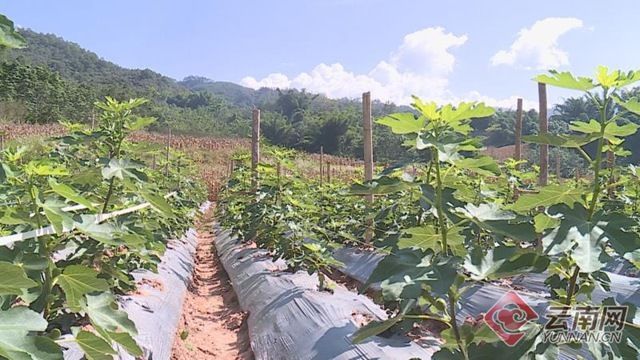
[(518, 147), (255, 147), (544, 128)]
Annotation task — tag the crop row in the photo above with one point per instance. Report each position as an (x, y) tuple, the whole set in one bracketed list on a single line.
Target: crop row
[(60, 289), (458, 219)]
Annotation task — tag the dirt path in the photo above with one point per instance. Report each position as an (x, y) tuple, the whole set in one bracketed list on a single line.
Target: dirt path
[(212, 325)]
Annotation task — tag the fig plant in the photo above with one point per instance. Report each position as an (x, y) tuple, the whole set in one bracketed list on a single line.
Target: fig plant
[(465, 241), (60, 287)]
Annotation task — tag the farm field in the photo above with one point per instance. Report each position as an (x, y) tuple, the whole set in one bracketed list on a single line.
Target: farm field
[(325, 215)]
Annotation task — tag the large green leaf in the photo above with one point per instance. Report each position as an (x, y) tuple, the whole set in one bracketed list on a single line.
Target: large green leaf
[(43, 168), (78, 280), (21, 319), (69, 193), (503, 261), (5, 172), (377, 327), (615, 78), (427, 238), (158, 203), (548, 195), (579, 236), (613, 130), (121, 169), (591, 127), (566, 80), (620, 231), (139, 123), (125, 340), (605, 78), (428, 110), (464, 111), (484, 165), (103, 312), (59, 219), (16, 325), (422, 237), (105, 233), (374, 328), (485, 212), (94, 347), (498, 222), (543, 222), (633, 104), (13, 279), (395, 273), (402, 123), (568, 141)]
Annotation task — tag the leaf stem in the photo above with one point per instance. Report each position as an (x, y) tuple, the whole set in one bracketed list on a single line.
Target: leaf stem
[(454, 325), (43, 251), (596, 179), (572, 285), (109, 194)]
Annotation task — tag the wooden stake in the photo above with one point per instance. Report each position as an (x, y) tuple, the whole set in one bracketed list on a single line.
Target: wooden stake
[(558, 175), (255, 147), (321, 163), (328, 172), (544, 128), (368, 139), (166, 165), (368, 154), (518, 148)]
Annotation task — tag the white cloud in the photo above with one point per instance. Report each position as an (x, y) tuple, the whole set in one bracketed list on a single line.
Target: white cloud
[(509, 102), (420, 65), (275, 80), (537, 46)]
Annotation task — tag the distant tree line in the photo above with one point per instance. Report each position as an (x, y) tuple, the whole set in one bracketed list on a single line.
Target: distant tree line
[(53, 79)]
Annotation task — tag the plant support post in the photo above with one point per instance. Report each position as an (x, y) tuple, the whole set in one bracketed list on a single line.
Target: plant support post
[(255, 147), (368, 139), (321, 163), (544, 128), (368, 153)]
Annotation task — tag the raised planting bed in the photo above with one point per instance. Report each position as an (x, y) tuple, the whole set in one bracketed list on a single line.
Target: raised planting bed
[(359, 264), (156, 305), (290, 319)]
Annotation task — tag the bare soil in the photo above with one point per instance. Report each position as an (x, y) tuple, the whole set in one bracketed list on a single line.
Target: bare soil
[(212, 325)]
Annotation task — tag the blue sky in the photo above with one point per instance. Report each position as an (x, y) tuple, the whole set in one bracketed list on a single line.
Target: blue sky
[(442, 50)]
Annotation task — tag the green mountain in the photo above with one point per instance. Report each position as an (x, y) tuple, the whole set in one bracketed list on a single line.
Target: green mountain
[(74, 63)]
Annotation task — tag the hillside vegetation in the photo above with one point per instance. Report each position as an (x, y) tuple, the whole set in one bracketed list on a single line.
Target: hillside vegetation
[(53, 79)]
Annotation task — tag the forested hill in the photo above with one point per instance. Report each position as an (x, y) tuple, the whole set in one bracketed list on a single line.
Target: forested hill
[(53, 79), (75, 63)]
